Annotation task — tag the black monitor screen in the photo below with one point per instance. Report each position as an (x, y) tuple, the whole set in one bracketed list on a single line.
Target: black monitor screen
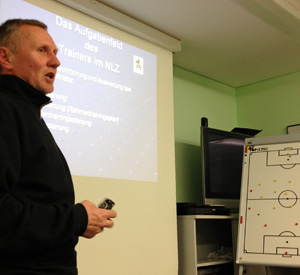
[(225, 162), (222, 160)]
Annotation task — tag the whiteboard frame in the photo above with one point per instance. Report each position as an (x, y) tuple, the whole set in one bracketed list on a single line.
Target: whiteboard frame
[(281, 257)]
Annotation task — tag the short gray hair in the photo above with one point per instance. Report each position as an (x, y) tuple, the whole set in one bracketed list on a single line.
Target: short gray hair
[(8, 31), (9, 35)]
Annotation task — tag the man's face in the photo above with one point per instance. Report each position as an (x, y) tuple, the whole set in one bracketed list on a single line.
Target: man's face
[(35, 60)]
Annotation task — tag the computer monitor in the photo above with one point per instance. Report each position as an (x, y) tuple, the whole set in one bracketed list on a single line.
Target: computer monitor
[(222, 161)]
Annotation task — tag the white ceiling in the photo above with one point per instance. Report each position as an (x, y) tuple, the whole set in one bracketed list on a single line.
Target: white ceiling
[(235, 42)]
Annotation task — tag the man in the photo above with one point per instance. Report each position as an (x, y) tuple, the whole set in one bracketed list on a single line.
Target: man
[(39, 222)]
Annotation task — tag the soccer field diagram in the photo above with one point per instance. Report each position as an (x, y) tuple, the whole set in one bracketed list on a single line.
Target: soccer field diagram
[(269, 228)]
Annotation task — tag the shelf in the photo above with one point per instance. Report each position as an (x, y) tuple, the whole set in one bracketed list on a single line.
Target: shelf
[(209, 217), (198, 235), (210, 262)]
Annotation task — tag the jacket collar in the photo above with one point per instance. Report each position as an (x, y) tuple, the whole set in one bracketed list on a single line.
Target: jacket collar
[(15, 86)]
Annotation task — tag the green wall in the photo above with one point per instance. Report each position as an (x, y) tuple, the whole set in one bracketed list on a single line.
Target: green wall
[(196, 97), (269, 105)]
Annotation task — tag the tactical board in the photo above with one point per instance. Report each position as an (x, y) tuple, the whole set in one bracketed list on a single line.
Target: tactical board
[(269, 225)]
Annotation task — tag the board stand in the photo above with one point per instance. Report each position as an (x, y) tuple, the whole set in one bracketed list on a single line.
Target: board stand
[(241, 269)]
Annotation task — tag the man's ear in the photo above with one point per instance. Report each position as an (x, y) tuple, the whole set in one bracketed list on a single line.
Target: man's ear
[(5, 60)]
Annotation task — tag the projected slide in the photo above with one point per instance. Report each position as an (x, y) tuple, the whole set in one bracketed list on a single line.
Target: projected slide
[(103, 114)]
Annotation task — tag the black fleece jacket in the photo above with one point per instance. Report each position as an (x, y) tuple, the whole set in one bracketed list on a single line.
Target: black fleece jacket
[(39, 222)]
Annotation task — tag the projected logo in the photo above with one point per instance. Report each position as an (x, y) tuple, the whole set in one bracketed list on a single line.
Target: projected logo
[(138, 65)]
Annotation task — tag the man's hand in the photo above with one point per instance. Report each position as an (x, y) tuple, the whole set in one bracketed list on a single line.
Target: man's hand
[(97, 219)]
